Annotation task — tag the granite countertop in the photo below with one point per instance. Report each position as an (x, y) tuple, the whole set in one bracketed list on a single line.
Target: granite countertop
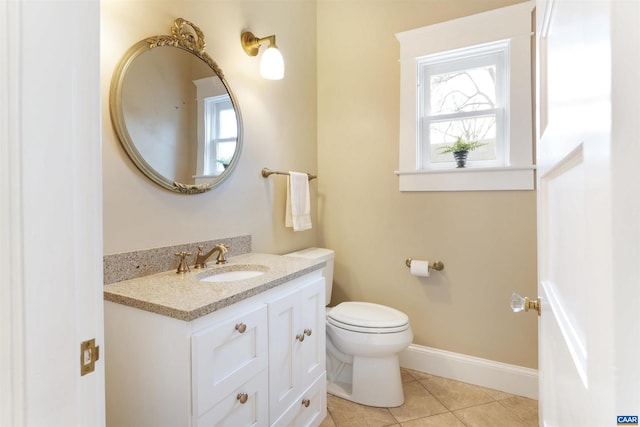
[(186, 297)]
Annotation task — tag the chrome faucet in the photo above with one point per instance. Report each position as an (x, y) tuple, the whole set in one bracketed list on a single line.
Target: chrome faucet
[(202, 258)]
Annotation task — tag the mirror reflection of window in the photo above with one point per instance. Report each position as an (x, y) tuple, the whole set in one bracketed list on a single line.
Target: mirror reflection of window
[(217, 128), (223, 132)]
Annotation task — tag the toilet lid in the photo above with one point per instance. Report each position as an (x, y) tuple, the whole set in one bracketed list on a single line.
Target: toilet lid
[(366, 316)]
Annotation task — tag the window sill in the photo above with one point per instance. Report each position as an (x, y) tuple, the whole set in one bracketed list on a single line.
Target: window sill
[(469, 179)]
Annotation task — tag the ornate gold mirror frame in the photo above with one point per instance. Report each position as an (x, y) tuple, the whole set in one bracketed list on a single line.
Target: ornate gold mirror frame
[(189, 38)]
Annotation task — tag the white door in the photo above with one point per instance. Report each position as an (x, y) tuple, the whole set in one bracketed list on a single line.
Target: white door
[(50, 213), (588, 211)]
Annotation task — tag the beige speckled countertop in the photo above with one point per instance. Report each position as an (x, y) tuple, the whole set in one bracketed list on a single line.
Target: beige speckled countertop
[(186, 297)]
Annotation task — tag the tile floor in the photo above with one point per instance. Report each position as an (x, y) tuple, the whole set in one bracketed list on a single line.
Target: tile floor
[(432, 401)]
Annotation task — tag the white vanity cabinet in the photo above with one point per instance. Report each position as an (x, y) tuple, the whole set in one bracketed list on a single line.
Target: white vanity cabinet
[(226, 368)]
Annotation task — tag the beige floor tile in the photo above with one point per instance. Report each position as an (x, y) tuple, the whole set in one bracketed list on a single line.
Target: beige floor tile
[(328, 422), (348, 414), (497, 394), (456, 395), (441, 420), (406, 376), (417, 374), (418, 403), (492, 415), (526, 409)]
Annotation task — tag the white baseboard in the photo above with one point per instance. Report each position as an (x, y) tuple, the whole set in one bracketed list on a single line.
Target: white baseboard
[(473, 370)]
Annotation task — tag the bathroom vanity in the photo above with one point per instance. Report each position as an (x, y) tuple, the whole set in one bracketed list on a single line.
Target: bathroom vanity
[(180, 351)]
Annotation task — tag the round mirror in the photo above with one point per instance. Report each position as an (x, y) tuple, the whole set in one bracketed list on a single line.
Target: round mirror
[(174, 112)]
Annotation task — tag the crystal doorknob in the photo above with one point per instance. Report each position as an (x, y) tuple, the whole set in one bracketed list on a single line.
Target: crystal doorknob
[(519, 303)]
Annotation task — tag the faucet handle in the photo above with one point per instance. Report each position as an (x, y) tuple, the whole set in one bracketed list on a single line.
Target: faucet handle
[(222, 258), (182, 267)]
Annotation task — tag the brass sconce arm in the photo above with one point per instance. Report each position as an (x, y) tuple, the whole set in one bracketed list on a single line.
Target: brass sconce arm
[(251, 44)]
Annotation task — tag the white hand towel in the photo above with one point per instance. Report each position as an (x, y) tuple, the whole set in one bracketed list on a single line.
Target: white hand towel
[(298, 209)]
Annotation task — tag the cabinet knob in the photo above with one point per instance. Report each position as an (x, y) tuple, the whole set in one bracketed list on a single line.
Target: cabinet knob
[(306, 402), (241, 327), (300, 337), (242, 397)]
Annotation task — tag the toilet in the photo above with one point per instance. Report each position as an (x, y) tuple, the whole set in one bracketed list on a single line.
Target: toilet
[(363, 343)]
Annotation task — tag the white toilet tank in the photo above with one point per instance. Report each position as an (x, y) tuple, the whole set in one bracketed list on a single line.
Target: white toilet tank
[(320, 254)]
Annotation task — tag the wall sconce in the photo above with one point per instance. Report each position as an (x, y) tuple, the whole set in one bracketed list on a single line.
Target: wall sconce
[(271, 64)]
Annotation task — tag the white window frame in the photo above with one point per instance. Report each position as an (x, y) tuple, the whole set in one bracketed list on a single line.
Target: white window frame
[(213, 107), (209, 104), (460, 60), (512, 23)]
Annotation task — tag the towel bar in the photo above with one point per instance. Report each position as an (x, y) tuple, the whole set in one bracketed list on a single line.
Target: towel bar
[(266, 172)]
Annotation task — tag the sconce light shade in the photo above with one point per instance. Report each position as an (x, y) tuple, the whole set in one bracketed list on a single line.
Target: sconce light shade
[(271, 64)]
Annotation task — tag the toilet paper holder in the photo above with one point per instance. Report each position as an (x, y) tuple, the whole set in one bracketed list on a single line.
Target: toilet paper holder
[(436, 265)]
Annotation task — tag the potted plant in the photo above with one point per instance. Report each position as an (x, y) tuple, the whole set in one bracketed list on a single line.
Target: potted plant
[(460, 150), (224, 162)]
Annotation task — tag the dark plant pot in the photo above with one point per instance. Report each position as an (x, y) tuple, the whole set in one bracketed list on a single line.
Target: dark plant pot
[(461, 158)]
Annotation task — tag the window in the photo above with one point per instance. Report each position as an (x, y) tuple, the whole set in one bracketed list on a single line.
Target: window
[(469, 78), (463, 94), (216, 129), (221, 133)]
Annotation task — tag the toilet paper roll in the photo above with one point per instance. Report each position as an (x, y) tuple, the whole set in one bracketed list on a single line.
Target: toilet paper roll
[(420, 268)]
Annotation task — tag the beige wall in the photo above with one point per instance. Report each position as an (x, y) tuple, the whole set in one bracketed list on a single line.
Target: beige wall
[(485, 239), (279, 127), (341, 88)]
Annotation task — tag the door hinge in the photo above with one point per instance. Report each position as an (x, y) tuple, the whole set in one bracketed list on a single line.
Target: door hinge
[(89, 354)]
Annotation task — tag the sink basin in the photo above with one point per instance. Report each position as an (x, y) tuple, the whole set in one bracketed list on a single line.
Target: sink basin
[(238, 273)]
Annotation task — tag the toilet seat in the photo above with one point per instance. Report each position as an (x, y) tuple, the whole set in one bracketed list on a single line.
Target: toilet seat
[(367, 317)]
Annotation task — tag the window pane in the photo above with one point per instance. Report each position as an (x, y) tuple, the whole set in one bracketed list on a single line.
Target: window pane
[(467, 90), (445, 132), (226, 151), (228, 126)]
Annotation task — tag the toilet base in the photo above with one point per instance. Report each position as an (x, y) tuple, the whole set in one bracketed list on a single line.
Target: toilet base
[(376, 381)]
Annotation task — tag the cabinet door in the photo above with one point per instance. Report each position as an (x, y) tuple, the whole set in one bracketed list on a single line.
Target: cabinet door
[(246, 406), (309, 409), (312, 318), (227, 355), (296, 343), (284, 351)]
